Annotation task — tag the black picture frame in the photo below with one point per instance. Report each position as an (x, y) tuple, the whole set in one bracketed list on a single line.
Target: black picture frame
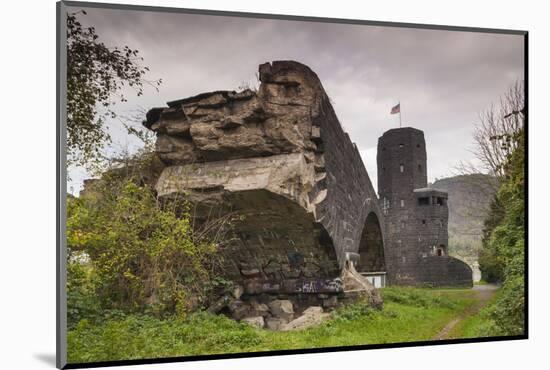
[(61, 189)]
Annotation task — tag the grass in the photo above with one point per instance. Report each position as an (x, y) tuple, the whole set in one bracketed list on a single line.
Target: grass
[(409, 314), (476, 325), (480, 282)]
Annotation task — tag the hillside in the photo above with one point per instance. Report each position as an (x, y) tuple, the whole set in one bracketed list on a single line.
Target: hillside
[(469, 200)]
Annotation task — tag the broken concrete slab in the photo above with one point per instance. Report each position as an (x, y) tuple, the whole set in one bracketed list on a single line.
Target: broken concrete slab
[(310, 317)]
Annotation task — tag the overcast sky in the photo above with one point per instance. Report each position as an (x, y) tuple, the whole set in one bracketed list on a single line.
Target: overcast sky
[(443, 79)]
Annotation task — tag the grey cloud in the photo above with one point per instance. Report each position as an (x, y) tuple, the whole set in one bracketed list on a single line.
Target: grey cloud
[(442, 78)]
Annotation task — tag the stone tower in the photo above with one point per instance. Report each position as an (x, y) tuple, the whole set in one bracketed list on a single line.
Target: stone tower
[(415, 216), (401, 166)]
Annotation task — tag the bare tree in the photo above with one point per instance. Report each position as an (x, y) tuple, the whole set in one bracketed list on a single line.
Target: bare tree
[(495, 135), (495, 138)]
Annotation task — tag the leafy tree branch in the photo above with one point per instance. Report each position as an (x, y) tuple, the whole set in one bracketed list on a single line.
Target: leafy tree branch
[(96, 77)]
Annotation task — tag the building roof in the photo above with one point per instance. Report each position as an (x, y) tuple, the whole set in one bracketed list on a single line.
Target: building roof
[(431, 191)]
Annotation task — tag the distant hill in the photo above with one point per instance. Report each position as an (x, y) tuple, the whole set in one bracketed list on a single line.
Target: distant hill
[(469, 200)]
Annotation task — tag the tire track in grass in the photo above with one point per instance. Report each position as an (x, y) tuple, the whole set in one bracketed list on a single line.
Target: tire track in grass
[(483, 294)]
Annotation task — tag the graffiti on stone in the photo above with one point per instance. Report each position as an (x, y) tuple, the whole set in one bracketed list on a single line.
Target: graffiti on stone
[(293, 286)]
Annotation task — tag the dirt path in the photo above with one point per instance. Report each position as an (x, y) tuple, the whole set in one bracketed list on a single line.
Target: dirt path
[(483, 295)]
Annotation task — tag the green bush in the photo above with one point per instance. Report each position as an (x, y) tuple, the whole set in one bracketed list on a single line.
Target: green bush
[(504, 250), (129, 251), (81, 300), (490, 266)]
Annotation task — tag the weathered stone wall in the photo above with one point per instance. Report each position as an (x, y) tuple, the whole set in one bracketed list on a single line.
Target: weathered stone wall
[(278, 157), (435, 271), (350, 194)]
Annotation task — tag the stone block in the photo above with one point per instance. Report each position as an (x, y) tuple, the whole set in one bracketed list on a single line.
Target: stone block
[(238, 291), (310, 317), (259, 309), (282, 309), (313, 310), (238, 309), (256, 321)]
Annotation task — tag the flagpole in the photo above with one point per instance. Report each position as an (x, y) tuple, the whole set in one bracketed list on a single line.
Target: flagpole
[(397, 109), (399, 114)]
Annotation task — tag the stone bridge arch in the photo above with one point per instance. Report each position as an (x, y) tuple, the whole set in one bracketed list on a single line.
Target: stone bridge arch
[(371, 246), (278, 151)]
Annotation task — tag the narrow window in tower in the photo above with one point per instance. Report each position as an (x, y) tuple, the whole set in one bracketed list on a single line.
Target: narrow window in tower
[(424, 201), (402, 203), (419, 168), (418, 145), (423, 222), (385, 205), (401, 168)]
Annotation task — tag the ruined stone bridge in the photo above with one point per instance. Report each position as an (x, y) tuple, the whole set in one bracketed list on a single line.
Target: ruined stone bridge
[(279, 157)]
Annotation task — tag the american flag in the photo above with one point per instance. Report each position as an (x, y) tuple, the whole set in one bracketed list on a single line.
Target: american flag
[(396, 109)]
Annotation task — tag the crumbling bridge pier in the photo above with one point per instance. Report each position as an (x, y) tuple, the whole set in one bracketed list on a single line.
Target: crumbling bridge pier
[(279, 157)]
